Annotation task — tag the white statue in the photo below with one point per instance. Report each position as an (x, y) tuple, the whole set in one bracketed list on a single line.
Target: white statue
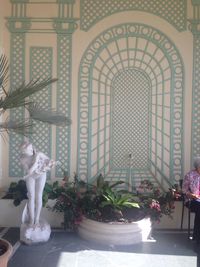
[(35, 164)]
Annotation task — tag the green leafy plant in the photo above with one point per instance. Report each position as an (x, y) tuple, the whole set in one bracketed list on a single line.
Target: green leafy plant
[(103, 201), (17, 191), (68, 198), (118, 200), (155, 203)]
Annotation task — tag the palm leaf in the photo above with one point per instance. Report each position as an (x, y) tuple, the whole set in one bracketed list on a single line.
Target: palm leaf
[(4, 68), (17, 97), (49, 115), (23, 127)]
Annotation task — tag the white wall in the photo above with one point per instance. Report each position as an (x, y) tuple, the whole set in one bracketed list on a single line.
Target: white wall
[(81, 40)]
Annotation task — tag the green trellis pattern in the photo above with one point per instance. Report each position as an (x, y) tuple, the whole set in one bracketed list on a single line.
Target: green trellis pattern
[(41, 67), (195, 104), (63, 134), (17, 77), (123, 47), (131, 109), (174, 11)]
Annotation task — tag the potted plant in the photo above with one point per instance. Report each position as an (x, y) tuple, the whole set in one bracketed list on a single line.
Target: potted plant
[(104, 213), (5, 252)]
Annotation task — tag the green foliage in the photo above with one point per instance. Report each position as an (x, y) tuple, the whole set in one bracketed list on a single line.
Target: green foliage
[(101, 201), (19, 97), (155, 203), (118, 200), (17, 192), (68, 200), (102, 186)]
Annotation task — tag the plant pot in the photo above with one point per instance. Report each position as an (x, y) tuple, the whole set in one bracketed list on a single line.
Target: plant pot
[(115, 233), (6, 249)]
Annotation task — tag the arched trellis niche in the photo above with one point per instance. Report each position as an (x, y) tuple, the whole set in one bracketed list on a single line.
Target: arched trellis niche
[(131, 82)]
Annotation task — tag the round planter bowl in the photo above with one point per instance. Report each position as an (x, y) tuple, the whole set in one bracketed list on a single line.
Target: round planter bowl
[(5, 257), (115, 233)]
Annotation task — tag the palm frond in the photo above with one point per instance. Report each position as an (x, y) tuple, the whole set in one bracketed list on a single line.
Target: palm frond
[(17, 97), (4, 68), (49, 115), (23, 127)]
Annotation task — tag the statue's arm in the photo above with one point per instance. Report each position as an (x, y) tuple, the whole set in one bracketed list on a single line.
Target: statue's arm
[(40, 164)]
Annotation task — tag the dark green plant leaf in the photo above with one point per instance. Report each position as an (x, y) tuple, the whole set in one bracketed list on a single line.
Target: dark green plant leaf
[(4, 68), (23, 127), (17, 97), (49, 116)]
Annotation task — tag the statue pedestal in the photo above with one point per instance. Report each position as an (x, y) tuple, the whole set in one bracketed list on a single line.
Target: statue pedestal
[(35, 234)]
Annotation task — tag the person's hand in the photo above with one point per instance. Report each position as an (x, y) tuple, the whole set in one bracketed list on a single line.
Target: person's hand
[(193, 196)]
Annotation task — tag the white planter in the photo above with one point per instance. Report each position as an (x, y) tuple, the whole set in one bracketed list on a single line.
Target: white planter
[(115, 233)]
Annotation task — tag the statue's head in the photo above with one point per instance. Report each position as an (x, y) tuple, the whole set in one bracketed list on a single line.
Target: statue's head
[(27, 148)]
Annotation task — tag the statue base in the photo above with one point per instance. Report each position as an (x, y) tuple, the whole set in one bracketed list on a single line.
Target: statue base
[(35, 234)]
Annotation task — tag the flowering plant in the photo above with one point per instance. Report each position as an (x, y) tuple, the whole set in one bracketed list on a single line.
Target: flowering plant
[(106, 202), (101, 201), (154, 202)]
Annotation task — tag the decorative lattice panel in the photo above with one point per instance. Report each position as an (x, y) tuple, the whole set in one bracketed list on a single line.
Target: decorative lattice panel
[(63, 135), (131, 102), (17, 77), (41, 67), (61, 25), (174, 11), (195, 105), (121, 49)]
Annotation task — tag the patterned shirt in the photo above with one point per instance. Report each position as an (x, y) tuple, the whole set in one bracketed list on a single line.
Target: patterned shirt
[(191, 183)]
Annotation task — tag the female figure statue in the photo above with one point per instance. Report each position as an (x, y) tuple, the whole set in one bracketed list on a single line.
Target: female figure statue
[(35, 164)]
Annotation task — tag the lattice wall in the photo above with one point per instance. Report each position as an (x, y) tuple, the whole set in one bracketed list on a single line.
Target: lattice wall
[(41, 67), (174, 11), (17, 77), (132, 59), (63, 136), (131, 48), (50, 57), (130, 119)]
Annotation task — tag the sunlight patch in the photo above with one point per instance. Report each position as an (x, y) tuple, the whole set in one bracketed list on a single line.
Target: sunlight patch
[(119, 259)]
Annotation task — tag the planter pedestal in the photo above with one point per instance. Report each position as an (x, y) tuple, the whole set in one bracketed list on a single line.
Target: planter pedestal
[(115, 233), (5, 257)]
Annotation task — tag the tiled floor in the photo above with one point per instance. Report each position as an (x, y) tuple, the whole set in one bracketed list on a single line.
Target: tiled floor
[(168, 249)]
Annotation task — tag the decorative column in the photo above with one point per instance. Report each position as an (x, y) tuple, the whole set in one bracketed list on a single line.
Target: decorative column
[(195, 29), (61, 26), (64, 25), (18, 25)]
